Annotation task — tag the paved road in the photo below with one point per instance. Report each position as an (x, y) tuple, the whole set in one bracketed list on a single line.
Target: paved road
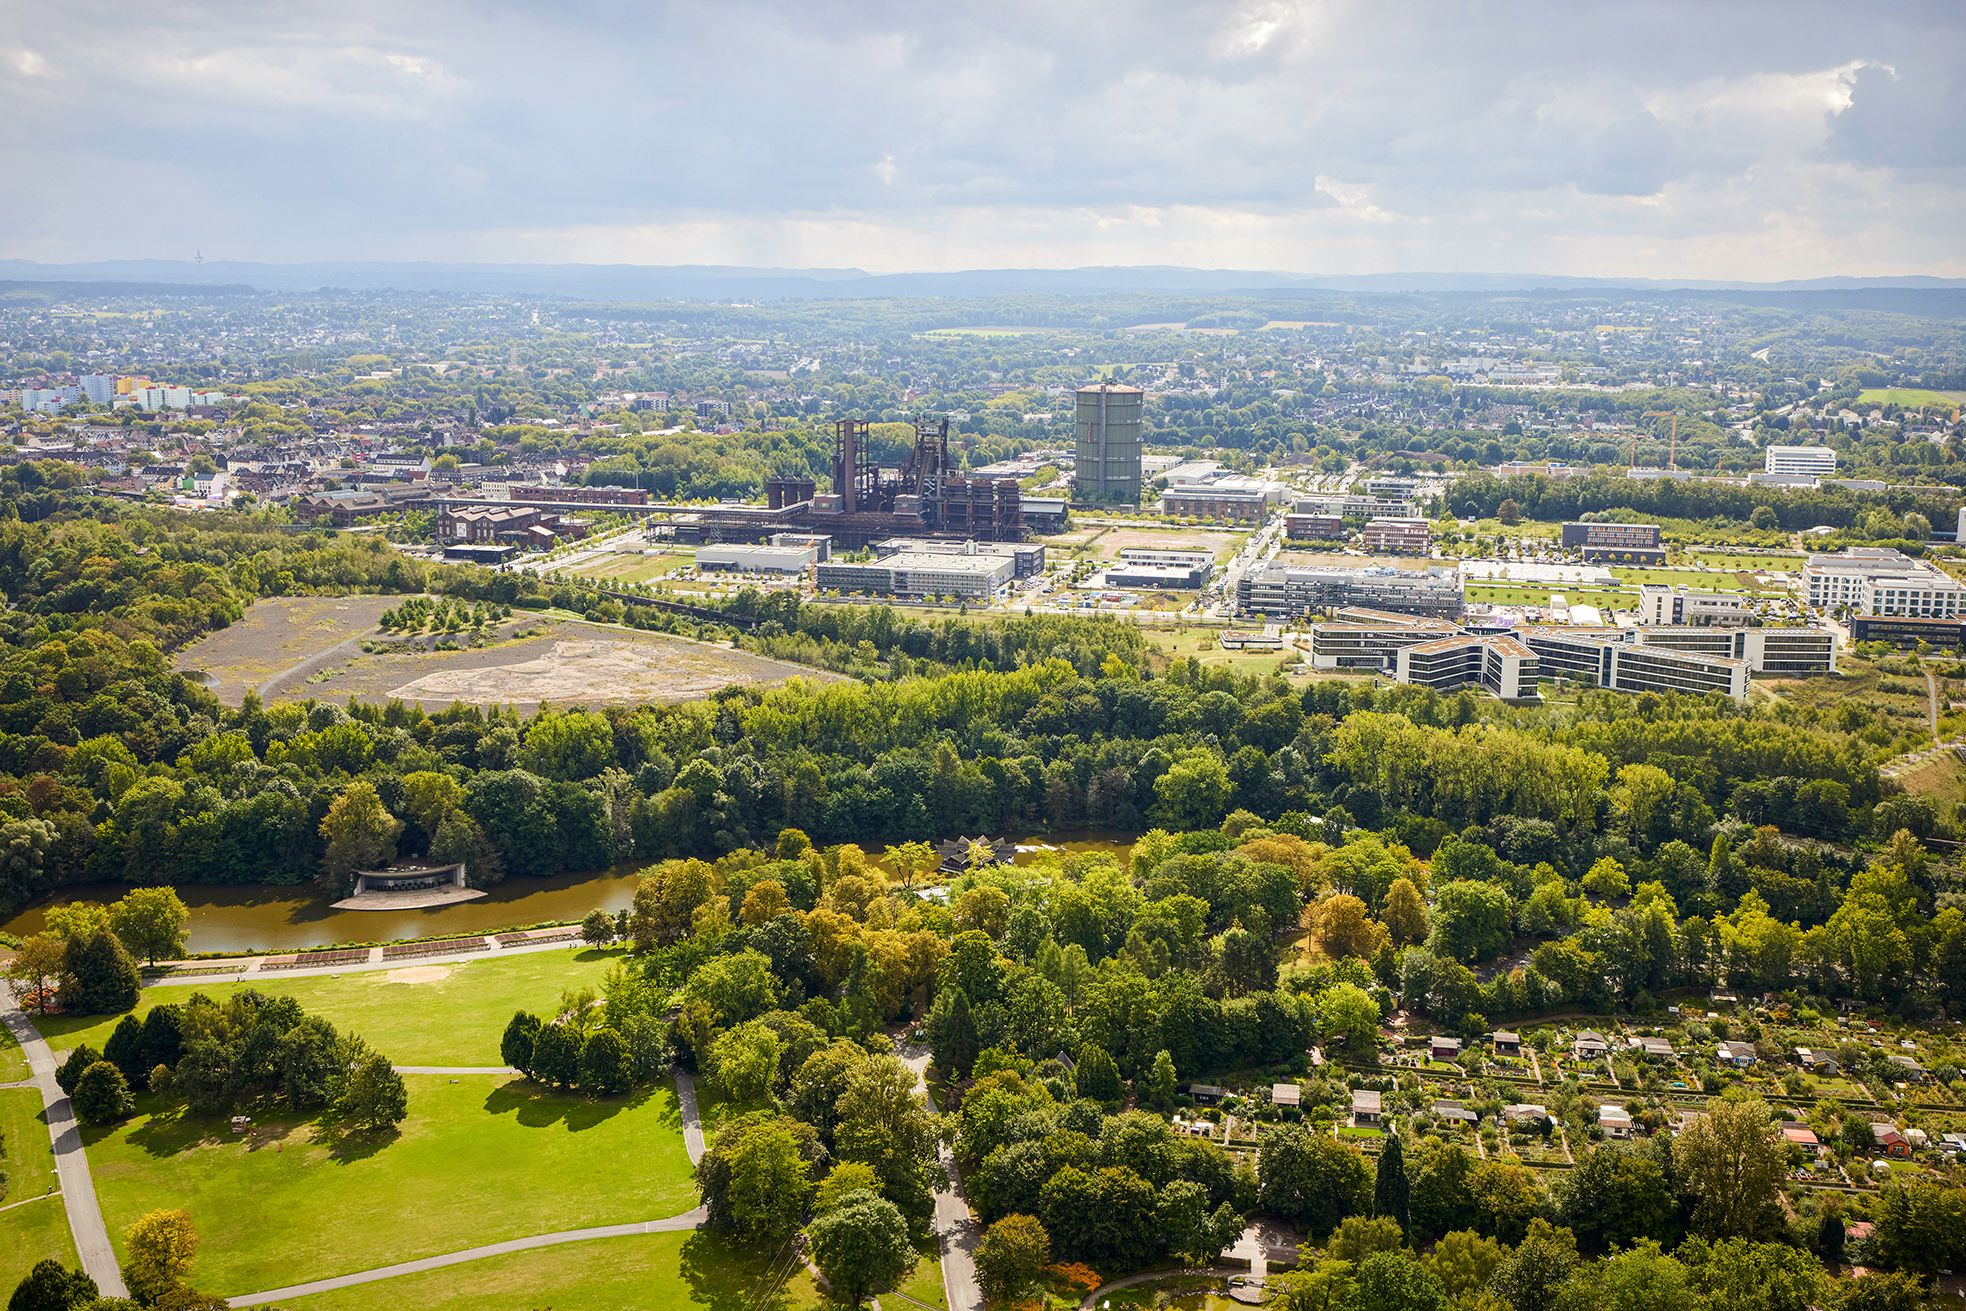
[(78, 1192), (692, 1143), (692, 1122), (667, 1225), (955, 1227)]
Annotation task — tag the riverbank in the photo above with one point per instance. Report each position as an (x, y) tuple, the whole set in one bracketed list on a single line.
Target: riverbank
[(258, 919)]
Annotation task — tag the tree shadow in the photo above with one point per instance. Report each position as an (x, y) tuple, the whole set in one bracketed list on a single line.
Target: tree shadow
[(722, 1276), (349, 1146), (169, 1130), (539, 1107)]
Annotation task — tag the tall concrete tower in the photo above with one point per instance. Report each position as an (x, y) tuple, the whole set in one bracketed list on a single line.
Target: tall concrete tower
[(1108, 452)]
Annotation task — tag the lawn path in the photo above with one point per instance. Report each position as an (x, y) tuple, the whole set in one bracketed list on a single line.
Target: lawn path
[(78, 1192), (691, 1219)]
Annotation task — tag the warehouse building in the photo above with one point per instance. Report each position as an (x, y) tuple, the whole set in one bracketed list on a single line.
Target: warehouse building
[(787, 553), (1146, 567), (1026, 558)]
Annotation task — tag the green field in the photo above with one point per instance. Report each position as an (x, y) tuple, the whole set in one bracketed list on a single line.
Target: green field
[(1762, 561), (13, 1061), (1515, 594), (633, 568), (38, 1227), (456, 1018), (481, 1159), (606, 1274), (1911, 397)]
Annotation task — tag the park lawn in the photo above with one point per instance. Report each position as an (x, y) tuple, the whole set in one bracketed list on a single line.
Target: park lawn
[(1765, 562), (924, 1282), (480, 1159), (39, 1229), (453, 1020), (1911, 397), (604, 1274), (13, 1061), (1539, 595)]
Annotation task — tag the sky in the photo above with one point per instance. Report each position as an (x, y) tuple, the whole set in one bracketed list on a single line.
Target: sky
[(1723, 139)]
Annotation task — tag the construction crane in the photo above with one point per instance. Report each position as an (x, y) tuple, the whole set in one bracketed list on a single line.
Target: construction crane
[(1672, 451)]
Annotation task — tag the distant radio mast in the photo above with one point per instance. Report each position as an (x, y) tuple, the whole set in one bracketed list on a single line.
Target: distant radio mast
[(198, 260)]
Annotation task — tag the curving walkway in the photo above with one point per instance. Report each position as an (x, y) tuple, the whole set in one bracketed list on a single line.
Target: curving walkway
[(692, 1143), (955, 1227), (671, 1224), (78, 1191)]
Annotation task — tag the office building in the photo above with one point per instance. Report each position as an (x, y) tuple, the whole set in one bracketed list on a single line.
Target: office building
[(918, 574), (1146, 567), (1313, 527), (1358, 638), (1501, 666), (1026, 558), (1633, 543), (1106, 457), (1882, 582), (1799, 461), (1609, 658), (787, 553), (1787, 652), (1394, 487), (1235, 497), (1660, 604), (1946, 634), (1347, 506), (1397, 536), (1286, 591)]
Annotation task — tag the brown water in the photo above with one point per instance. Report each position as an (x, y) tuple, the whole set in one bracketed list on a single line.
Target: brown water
[(261, 918)]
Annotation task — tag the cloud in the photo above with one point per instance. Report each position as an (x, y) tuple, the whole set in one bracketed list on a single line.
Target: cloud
[(1312, 134)]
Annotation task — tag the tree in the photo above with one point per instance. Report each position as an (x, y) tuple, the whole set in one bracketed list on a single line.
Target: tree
[(755, 1179), (1509, 513), (1441, 1199), (1405, 915), (1529, 1277), (1011, 1258), (604, 1063), (1185, 1226), (125, 1050), (842, 1182), (52, 1286), (1616, 1196), (1465, 1261), (1311, 1179), (1342, 927), (515, 1047), (102, 1095), (743, 1062), (1390, 1189), (884, 1123), (1098, 1077), (556, 1055), (1640, 1278), (36, 970), (597, 930), (151, 923), (359, 831), (1397, 1281), (1878, 1291), (1732, 1163), (861, 1247), (1921, 1227), (1348, 1017), (1161, 1083), (69, 1072), (159, 1249), (954, 1031), (100, 976), (372, 1096), (1471, 919)]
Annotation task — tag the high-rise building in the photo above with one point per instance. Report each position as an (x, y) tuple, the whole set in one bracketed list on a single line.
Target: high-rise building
[(100, 388), (1804, 461), (1108, 448)]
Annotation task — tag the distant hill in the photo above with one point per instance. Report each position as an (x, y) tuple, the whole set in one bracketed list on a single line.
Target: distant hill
[(724, 283)]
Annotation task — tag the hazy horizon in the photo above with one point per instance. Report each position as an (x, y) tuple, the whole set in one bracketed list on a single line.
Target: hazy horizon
[(1751, 142)]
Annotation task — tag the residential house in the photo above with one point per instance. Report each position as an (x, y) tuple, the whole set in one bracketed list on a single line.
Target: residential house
[(1507, 1042), (1657, 1049), (1615, 1120), (1731, 1052), (1455, 1113), (1589, 1045), (1443, 1049), (1891, 1141), (1207, 1093), (1817, 1062), (1286, 1094), (1526, 1113), (1906, 1067)]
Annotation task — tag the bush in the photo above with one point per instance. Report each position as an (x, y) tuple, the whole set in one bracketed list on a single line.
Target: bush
[(69, 1073)]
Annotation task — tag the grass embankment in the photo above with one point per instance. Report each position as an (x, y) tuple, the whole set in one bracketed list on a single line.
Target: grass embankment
[(480, 1159), (453, 1016), (33, 1225)]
